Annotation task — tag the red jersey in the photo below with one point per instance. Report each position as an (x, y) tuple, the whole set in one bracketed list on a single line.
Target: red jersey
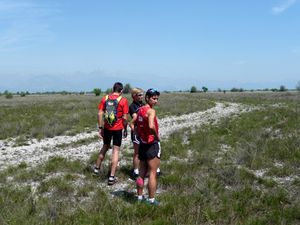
[(122, 109), (143, 125)]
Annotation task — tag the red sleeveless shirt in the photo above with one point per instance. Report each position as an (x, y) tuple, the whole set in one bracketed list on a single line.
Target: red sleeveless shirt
[(143, 125)]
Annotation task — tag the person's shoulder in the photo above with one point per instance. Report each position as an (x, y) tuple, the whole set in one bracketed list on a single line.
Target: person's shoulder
[(150, 110), (132, 105), (124, 100)]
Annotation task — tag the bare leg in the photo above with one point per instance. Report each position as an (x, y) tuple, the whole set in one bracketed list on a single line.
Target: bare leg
[(101, 155), (114, 160), (142, 174), (153, 164), (136, 160)]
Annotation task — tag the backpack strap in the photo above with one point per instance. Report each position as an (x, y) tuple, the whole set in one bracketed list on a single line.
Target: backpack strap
[(119, 98)]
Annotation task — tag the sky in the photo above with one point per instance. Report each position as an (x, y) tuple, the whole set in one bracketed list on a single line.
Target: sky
[(79, 45)]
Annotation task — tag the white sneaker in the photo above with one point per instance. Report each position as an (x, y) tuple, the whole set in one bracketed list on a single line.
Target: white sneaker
[(96, 171)]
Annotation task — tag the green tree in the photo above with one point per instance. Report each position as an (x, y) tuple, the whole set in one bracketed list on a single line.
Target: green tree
[(282, 88), (204, 89), (126, 88), (108, 91), (7, 94), (193, 89), (97, 91), (234, 89), (22, 94)]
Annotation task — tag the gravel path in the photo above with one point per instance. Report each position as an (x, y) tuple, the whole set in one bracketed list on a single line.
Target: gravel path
[(36, 152)]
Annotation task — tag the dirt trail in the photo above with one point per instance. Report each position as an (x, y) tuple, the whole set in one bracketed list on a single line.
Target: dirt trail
[(36, 152)]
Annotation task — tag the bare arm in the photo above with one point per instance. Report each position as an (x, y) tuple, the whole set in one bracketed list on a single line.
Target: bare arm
[(125, 118), (151, 115), (100, 122), (100, 118), (132, 123), (125, 123)]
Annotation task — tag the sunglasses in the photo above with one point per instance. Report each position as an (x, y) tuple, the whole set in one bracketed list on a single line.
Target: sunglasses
[(153, 91)]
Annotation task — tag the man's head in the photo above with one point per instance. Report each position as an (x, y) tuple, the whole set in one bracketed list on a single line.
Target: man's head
[(118, 87), (152, 96), (152, 92), (137, 94)]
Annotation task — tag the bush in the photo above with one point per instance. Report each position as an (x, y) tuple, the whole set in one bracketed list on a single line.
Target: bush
[(204, 89), (282, 88), (126, 89), (237, 90), (193, 89), (8, 95), (97, 91), (108, 90)]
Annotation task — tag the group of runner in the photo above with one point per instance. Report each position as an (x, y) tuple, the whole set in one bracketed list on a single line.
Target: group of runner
[(144, 136)]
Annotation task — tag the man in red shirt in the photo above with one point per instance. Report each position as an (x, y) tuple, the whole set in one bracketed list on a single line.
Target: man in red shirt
[(109, 131)]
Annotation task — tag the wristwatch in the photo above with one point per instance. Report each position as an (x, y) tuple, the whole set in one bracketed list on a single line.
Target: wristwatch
[(100, 128)]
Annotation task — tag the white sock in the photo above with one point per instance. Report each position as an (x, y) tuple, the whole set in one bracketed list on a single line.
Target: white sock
[(136, 171), (158, 170), (140, 197)]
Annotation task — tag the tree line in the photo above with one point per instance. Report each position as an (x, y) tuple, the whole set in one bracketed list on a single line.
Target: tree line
[(127, 89)]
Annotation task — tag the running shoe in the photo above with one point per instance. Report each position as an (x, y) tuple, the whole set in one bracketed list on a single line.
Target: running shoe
[(112, 180), (96, 171), (155, 203), (134, 175)]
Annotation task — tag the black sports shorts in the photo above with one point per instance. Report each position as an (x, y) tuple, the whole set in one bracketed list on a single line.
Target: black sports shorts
[(116, 135), (149, 151)]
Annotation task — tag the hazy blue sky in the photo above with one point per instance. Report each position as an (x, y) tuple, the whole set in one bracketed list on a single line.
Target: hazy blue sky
[(167, 44)]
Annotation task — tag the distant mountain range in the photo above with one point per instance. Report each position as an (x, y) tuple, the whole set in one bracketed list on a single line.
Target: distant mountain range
[(87, 82)]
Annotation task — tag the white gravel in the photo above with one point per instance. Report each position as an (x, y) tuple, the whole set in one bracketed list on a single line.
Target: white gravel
[(36, 152)]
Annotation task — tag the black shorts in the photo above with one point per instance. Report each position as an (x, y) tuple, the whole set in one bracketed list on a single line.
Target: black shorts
[(149, 151), (116, 135), (134, 138)]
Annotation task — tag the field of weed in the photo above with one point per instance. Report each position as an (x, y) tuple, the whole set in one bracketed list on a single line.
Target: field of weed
[(242, 170), (51, 115)]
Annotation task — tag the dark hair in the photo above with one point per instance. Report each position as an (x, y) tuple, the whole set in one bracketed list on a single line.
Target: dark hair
[(151, 92), (118, 87)]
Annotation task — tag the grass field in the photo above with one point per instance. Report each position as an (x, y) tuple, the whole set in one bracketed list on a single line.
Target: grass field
[(242, 170)]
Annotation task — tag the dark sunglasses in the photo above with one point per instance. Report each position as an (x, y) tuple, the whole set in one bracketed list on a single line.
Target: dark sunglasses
[(153, 91)]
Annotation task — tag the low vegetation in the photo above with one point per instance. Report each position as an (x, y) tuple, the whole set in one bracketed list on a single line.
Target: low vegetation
[(243, 170), (51, 115)]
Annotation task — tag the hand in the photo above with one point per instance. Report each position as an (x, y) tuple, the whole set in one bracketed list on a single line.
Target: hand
[(101, 133)]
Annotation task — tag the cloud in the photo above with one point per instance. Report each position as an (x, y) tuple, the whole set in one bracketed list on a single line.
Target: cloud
[(286, 4), (25, 23)]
